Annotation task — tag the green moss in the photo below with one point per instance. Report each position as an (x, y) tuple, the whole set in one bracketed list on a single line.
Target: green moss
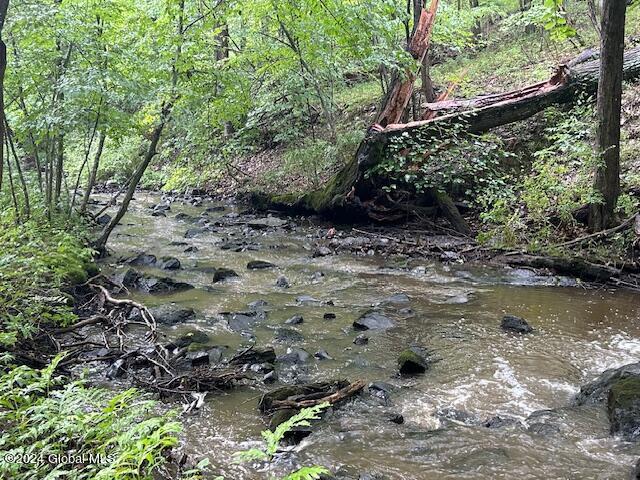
[(625, 392), (409, 362)]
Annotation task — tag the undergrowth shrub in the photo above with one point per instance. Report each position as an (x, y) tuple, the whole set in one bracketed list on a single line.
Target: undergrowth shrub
[(55, 429)]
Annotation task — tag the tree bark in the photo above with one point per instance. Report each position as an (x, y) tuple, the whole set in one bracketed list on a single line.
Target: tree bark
[(93, 172), (4, 7), (401, 88), (607, 176)]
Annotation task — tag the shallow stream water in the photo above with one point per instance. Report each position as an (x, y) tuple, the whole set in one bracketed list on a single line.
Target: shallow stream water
[(453, 310)]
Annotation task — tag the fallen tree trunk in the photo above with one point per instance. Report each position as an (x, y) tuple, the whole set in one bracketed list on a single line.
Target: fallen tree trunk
[(345, 195)]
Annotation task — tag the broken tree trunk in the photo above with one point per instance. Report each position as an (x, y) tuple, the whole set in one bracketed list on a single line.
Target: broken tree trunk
[(346, 193), (402, 86)]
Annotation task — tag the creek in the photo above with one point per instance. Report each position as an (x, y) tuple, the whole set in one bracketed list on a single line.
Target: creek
[(453, 310)]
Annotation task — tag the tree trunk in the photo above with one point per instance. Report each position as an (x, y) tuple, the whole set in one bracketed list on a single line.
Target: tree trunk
[(607, 176), (93, 172), (101, 243), (4, 6), (401, 88)]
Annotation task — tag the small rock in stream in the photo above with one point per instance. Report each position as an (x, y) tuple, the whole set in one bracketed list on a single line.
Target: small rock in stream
[(322, 252), (193, 336), (158, 213), (258, 304), (413, 361), (193, 232), (191, 249), (259, 265), (515, 324), (623, 408), (170, 263), (221, 274), (288, 335), (103, 220), (295, 320), (361, 339), (143, 259), (322, 355), (373, 320), (116, 369), (156, 285), (169, 314), (282, 282), (329, 316), (294, 356)]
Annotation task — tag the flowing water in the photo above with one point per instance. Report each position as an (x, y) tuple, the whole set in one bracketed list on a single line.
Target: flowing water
[(454, 311)]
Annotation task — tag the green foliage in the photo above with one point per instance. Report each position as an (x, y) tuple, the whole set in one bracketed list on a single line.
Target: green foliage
[(36, 259), (540, 209), (47, 419), (272, 440), (449, 161)]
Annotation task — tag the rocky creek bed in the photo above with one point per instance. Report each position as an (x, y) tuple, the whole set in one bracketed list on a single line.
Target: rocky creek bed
[(447, 386)]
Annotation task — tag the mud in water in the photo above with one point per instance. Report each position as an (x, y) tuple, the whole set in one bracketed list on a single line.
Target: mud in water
[(452, 310)]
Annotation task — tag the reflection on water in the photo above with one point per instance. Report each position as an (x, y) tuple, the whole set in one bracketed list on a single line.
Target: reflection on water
[(454, 311)]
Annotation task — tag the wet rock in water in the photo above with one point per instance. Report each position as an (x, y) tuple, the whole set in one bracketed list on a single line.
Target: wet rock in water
[(308, 300), (116, 369), (170, 263), (396, 418), (258, 304), (143, 259), (127, 278), (294, 356), (193, 232), (329, 316), (322, 252), (322, 355), (282, 282), (159, 285), (623, 408), (500, 421), (103, 219), (270, 377), (169, 314), (193, 336), (198, 359), (178, 243), (215, 208), (545, 422), (361, 339), (317, 276), (191, 249), (295, 320), (380, 391), (288, 335), (396, 299), (243, 321), (251, 356), (413, 361), (259, 265), (184, 217), (267, 222), (515, 324), (373, 320), (597, 391), (221, 274), (158, 213), (406, 311), (161, 207), (455, 415)]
